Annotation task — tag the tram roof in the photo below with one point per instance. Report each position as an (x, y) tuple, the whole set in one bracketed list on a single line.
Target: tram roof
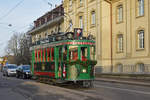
[(63, 42)]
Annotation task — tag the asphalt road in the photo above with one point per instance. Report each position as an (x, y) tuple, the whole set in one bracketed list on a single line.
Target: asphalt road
[(116, 91), (19, 89)]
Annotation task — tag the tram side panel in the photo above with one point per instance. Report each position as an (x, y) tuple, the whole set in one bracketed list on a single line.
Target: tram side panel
[(64, 62)]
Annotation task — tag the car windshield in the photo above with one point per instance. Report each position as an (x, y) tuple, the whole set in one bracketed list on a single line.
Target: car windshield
[(26, 67), (12, 67)]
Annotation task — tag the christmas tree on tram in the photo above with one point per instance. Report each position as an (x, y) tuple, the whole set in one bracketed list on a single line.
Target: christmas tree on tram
[(65, 57)]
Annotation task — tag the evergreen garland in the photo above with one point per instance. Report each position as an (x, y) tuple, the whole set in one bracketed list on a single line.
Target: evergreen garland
[(83, 63)]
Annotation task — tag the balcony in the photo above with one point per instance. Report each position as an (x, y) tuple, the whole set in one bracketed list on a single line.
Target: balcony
[(48, 24)]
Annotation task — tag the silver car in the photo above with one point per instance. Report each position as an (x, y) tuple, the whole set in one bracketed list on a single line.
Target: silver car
[(9, 70)]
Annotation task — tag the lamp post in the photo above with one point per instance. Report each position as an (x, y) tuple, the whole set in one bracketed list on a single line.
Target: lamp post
[(10, 25)]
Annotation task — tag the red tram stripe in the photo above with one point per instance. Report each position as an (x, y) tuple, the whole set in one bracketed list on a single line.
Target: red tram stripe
[(85, 43), (52, 74)]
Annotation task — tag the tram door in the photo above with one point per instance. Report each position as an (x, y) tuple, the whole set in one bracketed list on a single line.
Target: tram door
[(59, 61), (84, 56)]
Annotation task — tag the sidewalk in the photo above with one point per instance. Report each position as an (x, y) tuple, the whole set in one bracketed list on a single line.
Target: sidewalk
[(125, 81)]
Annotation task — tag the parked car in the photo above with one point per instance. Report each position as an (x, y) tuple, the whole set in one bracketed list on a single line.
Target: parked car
[(23, 71), (9, 70)]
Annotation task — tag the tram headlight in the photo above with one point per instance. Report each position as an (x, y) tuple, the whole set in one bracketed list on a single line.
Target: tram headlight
[(84, 70)]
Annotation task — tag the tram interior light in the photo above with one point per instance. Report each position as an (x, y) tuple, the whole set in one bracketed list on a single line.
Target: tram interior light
[(84, 70)]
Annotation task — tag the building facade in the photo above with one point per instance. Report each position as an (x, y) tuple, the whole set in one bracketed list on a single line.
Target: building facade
[(86, 14), (131, 38), (121, 29), (50, 23)]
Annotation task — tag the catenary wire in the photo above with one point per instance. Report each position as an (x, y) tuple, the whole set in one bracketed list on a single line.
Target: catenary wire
[(5, 15)]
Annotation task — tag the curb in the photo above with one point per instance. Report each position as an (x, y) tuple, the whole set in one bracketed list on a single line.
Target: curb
[(125, 82)]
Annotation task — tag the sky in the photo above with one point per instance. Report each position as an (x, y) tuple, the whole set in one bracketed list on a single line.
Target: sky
[(20, 14)]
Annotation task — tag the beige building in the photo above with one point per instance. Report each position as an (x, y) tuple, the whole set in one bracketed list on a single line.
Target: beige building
[(121, 29), (50, 23)]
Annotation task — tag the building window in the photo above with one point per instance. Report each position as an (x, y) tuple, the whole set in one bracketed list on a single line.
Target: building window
[(81, 22), (119, 68), (46, 36), (140, 68), (141, 39), (56, 30), (70, 4), (120, 13), (70, 25), (81, 2), (120, 43), (52, 32), (140, 7), (59, 28), (39, 37), (36, 37), (93, 18)]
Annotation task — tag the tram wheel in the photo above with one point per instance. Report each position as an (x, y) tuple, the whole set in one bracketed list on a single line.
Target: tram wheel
[(87, 84)]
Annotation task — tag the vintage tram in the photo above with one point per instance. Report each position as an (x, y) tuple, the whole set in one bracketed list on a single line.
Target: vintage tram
[(65, 57)]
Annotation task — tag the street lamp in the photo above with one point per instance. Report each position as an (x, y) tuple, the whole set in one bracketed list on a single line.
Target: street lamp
[(10, 25)]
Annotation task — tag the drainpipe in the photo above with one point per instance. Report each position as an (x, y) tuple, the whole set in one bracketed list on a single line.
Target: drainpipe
[(111, 44)]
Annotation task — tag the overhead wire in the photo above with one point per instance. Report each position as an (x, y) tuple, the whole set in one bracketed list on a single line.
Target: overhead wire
[(5, 15), (45, 1)]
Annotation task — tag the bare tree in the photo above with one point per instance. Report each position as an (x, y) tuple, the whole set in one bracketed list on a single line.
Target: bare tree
[(24, 46), (13, 44), (18, 46)]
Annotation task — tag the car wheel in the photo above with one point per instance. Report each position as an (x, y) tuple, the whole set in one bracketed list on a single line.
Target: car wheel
[(7, 75), (23, 76), (17, 76)]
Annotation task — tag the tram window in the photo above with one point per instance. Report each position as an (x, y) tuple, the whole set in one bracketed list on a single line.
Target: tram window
[(92, 53), (64, 53), (73, 52), (39, 55), (44, 54), (43, 67), (35, 55), (52, 54), (35, 67), (52, 67), (84, 53), (48, 54), (60, 53)]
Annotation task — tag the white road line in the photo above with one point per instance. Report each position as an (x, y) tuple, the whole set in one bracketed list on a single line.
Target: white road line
[(134, 91)]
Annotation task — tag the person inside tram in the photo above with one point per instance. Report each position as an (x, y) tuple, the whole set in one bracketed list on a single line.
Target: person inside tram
[(52, 54), (83, 54), (65, 53), (73, 54)]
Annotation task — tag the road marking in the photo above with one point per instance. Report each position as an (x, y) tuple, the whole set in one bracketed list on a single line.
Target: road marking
[(134, 91)]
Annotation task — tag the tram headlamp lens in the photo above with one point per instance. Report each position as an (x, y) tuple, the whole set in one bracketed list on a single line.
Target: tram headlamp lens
[(84, 70)]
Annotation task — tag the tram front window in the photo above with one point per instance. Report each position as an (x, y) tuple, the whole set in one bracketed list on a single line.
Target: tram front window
[(64, 53), (84, 52), (60, 54), (73, 53), (52, 54)]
